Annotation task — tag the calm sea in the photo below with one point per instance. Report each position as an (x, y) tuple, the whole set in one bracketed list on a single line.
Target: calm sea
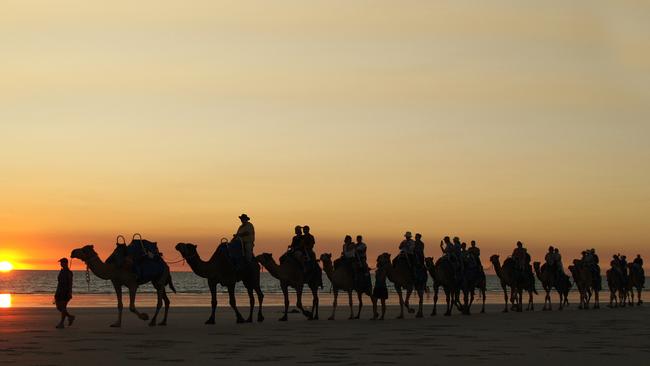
[(36, 288)]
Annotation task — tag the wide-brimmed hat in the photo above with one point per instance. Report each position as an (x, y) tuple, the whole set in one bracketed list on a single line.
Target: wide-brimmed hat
[(408, 234), (244, 217)]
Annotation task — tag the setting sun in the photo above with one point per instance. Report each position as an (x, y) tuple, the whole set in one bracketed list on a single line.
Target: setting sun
[(6, 266)]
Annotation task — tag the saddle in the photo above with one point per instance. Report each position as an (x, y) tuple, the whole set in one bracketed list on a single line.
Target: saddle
[(141, 256)]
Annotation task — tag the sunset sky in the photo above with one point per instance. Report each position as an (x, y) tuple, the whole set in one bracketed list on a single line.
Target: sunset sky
[(496, 121)]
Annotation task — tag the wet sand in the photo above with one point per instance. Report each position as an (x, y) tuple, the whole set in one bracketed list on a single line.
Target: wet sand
[(594, 337)]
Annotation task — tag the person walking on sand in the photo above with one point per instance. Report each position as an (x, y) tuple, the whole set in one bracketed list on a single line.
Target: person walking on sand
[(64, 293)]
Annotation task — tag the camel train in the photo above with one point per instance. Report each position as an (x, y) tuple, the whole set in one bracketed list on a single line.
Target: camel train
[(140, 263)]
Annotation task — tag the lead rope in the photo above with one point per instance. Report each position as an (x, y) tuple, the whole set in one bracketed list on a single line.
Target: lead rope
[(88, 278)]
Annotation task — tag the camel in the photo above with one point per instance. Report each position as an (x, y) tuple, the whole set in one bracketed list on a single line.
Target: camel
[(291, 274), (342, 278), (120, 276), (401, 275), (637, 281), (587, 284), (550, 279), (509, 278), (617, 288), (220, 270), (473, 278), (442, 273)]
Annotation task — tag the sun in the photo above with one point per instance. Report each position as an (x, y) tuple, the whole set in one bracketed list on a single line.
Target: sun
[(6, 266)]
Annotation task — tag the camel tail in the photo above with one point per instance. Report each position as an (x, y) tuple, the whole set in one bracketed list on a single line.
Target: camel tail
[(171, 284)]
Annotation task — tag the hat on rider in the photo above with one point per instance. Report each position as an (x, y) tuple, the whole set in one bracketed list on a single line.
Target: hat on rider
[(244, 217), (408, 235)]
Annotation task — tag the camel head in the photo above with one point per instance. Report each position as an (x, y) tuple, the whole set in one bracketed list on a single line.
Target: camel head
[(85, 253), (265, 259), (326, 258), (383, 260), (494, 259), (187, 250)]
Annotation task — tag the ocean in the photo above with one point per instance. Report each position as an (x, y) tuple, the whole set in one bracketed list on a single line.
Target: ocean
[(28, 288)]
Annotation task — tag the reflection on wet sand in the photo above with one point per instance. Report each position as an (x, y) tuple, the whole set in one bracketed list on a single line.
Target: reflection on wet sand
[(5, 300)]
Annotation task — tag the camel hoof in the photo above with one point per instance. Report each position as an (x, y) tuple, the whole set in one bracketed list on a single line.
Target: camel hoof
[(116, 325), (411, 311), (483, 311), (260, 318), (284, 319)]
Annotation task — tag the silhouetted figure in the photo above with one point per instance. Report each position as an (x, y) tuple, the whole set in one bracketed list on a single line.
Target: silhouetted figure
[(361, 248), (246, 233), (446, 246), (475, 252), (406, 246), (64, 293), (638, 260), (308, 243), (519, 255), (380, 291), (418, 250)]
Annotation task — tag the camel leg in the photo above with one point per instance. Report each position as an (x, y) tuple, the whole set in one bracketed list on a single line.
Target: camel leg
[(505, 298), (120, 306), (596, 300), (260, 300), (336, 298), (375, 314), (465, 302), (450, 299), (152, 323), (360, 296), (166, 301), (409, 292), (483, 296), (213, 295), (315, 303), (639, 290), (435, 299), (383, 309), (251, 301), (531, 301), (401, 302), (299, 305), (351, 305), (233, 303), (285, 293), (420, 304), (132, 308)]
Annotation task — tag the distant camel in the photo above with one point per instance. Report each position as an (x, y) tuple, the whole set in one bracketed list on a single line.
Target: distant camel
[(291, 274), (637, 281), (126, 277), (472, 279), (617, 288), (442, 273), (551, 279), (518, 283), (401, 275), (220, 270), (343, 279), (587, 284)]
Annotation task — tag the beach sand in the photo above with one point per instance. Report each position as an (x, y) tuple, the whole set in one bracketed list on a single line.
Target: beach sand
[(594, 337)]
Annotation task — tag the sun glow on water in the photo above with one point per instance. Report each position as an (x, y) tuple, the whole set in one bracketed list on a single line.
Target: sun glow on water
[(6, 266), (5, 300)]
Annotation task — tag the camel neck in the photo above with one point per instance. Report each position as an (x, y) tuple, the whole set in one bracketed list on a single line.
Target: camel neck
[(100, 269), (199, 266), (328, 268), (275, 270)]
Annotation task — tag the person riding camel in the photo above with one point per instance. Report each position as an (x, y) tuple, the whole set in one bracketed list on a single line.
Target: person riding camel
[(406, 248), (590, 260), (349, 256), (308, 243), (361, 248), (638, 260), (418, 250), (449, 251), (624, 268), (296, 249), (557, 258), (446, 246), (246, 234), (475, 252), (519, 255)]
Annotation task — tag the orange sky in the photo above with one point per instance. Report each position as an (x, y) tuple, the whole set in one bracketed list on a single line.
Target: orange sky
[(514, 120)]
